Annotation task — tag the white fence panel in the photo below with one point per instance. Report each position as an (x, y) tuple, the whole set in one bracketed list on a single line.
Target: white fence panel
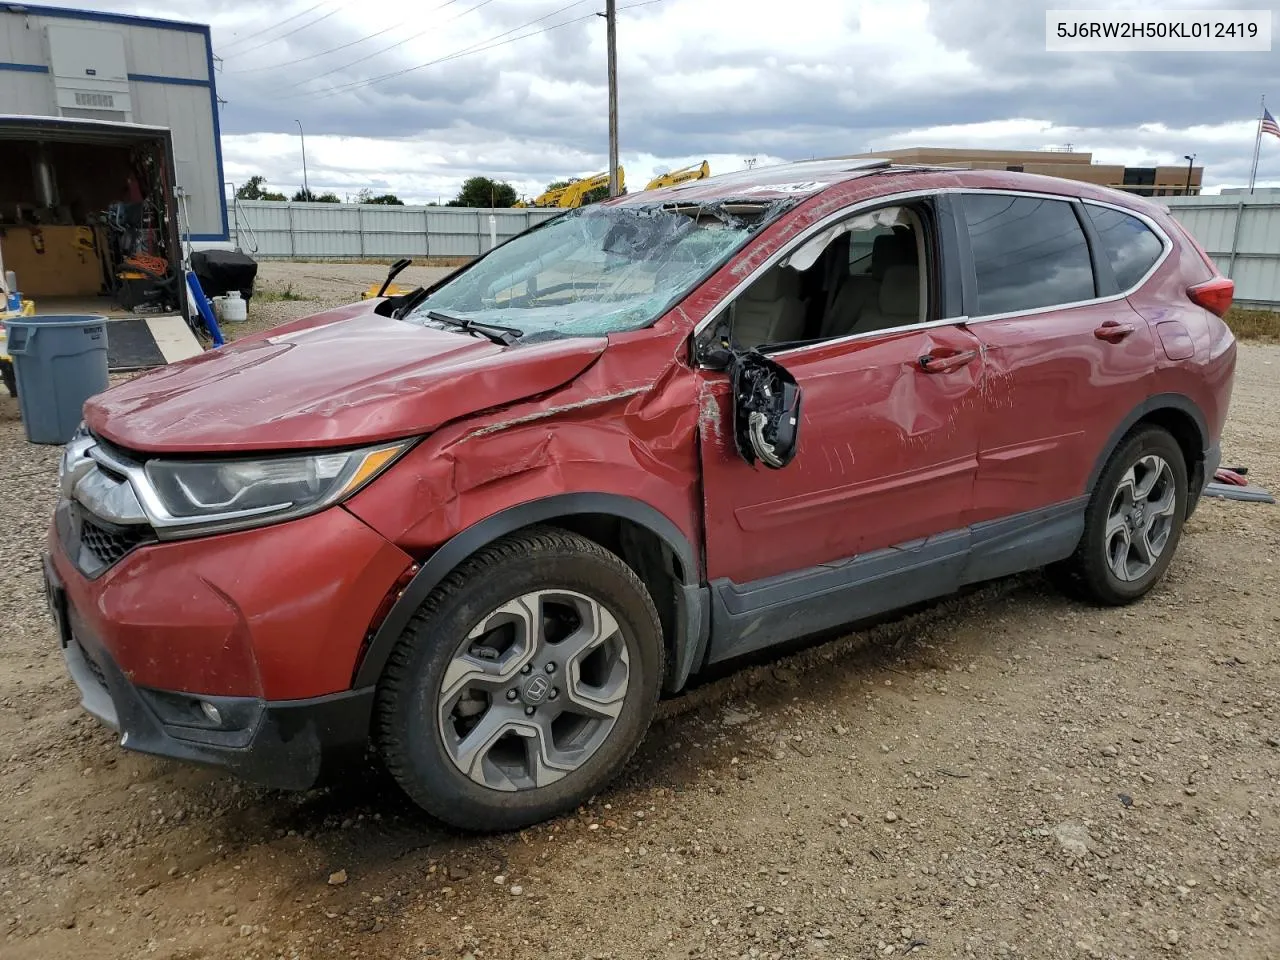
[(331, 231), (1242, 235), (1240, 232)]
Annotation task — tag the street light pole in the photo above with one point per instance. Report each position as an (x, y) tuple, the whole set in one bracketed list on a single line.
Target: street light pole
[(1190, 158), (306, 191), (611, 39)]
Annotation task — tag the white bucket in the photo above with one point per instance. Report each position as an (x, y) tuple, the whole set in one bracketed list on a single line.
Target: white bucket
[(231, 309)]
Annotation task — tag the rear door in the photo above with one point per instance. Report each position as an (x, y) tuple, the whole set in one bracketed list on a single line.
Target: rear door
[(1067, 357)]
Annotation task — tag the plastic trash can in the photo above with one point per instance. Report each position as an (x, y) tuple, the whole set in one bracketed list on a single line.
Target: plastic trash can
[(59, 362)]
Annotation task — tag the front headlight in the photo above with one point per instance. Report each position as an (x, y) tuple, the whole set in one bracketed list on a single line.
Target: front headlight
[(202, 493)]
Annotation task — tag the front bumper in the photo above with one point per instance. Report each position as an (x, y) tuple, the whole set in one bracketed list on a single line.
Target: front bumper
[(286, 744)]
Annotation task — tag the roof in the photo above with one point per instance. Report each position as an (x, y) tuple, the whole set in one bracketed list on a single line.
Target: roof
[(99, 16), (793, 180), (807, 178), (75, 128)]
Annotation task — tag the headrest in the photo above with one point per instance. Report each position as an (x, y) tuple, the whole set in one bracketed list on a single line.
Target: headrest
[(900, 291), (889, 249), (775, 282)]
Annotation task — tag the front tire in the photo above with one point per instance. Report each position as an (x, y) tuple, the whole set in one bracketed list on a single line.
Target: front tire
[(523, 683), (1133, 522)]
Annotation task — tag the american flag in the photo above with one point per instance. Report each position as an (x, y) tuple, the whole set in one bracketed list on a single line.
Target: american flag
[(1269, 124)]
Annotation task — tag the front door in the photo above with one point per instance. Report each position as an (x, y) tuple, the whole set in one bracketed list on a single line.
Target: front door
[(887, 448)]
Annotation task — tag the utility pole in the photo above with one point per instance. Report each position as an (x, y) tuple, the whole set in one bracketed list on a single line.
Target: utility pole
[(306, 191), (611, 39), (1190, 158)]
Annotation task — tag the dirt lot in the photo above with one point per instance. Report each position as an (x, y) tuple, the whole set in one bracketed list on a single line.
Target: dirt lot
[(1010, 774)]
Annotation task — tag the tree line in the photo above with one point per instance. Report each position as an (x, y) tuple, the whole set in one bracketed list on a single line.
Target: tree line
[(255, 189), (475, 192)]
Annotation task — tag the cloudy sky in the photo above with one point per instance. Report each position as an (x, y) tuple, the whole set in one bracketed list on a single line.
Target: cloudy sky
[(516, 89)]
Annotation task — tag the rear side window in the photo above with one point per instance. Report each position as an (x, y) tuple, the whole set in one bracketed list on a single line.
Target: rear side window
[(1029, 253), (1127, 242)]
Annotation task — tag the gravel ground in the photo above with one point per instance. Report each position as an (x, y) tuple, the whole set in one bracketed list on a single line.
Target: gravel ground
[(1007, 774)]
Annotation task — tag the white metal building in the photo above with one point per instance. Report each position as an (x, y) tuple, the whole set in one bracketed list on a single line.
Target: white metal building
[(56, 62)]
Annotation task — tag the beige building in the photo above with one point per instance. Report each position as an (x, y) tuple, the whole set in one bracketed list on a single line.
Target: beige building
[(1170, 181)]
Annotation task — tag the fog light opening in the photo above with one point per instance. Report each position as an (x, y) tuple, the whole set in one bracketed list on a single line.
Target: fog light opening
[(211, 713)]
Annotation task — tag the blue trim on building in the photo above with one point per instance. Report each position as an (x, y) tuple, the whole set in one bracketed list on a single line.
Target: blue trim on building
[(178, 81), (217, 134), (209, 237), (67, 13)]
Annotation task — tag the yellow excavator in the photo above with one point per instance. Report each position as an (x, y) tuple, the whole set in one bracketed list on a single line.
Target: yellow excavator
[(697, 171), (571, 195)]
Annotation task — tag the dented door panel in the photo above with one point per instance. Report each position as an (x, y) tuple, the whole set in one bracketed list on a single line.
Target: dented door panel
[(1055, 391), (887, 454)]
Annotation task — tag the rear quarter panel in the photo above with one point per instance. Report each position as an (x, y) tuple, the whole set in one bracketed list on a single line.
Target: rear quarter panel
[(1207, 376)]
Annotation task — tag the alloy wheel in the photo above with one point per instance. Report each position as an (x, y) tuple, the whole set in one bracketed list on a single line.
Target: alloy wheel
[(1141, 518), (534, 690)]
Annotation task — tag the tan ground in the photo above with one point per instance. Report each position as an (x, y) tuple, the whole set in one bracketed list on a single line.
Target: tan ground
[(1011, 774)]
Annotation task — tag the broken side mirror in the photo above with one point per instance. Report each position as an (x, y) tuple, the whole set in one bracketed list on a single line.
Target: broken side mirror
[(713, 349), (766, 410)]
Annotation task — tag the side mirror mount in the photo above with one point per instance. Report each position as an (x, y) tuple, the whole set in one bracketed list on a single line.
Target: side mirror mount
[(766, 410), (713, 349)]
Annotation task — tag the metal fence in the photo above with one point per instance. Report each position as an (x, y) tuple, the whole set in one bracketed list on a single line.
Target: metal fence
[(1240, 232), (1242, 235), (272, 230)]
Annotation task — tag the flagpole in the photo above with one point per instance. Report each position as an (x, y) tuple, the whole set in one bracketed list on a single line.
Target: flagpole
[(1257, 144)]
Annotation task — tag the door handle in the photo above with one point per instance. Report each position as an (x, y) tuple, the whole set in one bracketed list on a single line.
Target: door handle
[(945, 363), (1113, 331)]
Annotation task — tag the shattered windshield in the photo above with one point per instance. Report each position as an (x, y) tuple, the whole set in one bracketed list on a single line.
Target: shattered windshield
[(595, 270)]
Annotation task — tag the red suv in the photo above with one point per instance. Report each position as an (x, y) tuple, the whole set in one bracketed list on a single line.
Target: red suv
[(485, 525)]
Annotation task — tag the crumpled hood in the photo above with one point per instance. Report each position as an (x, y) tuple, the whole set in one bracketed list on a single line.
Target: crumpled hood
[(344, 377)]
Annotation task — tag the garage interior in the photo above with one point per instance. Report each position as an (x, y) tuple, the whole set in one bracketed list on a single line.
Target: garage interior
[(85, 225)]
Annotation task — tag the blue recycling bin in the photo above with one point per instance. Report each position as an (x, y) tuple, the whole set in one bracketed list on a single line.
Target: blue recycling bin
[(59, 362)]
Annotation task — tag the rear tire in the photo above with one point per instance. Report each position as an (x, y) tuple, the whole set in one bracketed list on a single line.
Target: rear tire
[(523, 683), (1133, 522)]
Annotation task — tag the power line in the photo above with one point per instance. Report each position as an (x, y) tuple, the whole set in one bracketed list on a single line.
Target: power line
[(255, 36), (398, 43), (325, 53), (267, 43), (478, 47)]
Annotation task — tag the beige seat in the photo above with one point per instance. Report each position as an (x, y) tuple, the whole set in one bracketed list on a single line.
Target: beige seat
[(770, 310), (860, 294), (897, 302)]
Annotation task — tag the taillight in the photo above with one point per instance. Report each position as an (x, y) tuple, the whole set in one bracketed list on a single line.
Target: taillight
[(1214, 295)]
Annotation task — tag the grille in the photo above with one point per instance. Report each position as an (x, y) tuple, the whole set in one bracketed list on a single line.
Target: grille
[(110, 545), (94, 100), (94, 668)]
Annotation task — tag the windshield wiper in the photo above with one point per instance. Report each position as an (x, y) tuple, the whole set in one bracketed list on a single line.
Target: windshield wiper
[(505, 336)]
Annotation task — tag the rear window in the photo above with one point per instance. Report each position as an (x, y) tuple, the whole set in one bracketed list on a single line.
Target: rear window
[(1127, 242), (1029, 253)]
